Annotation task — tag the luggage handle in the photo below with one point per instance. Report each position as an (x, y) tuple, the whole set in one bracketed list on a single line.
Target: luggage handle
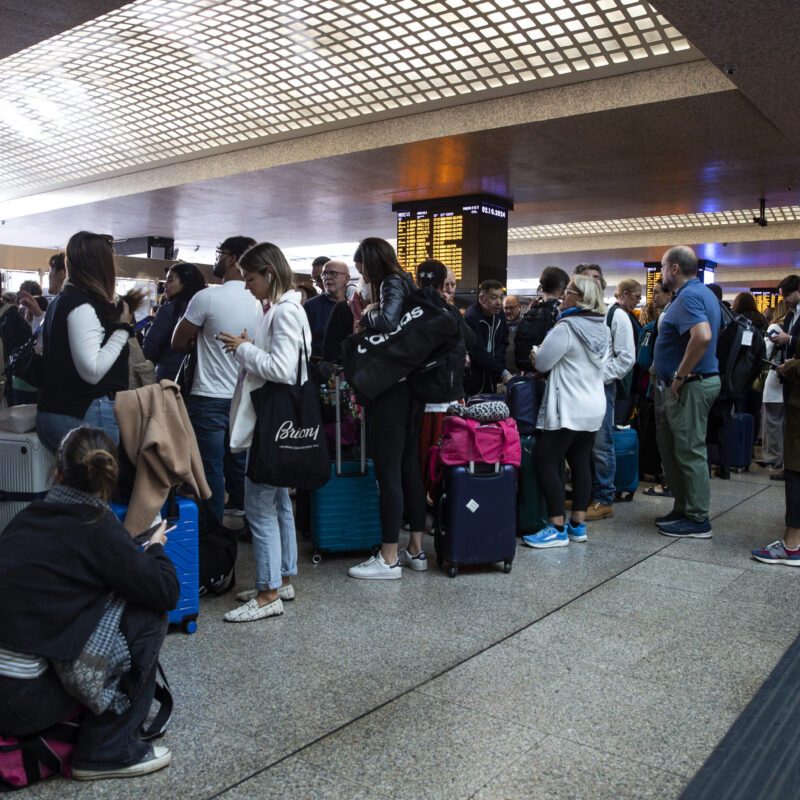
[(337, 399), (471, 469)]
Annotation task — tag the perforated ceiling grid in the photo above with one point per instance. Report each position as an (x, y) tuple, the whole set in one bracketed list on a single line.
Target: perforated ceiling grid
[(164, 80), (640, 224)]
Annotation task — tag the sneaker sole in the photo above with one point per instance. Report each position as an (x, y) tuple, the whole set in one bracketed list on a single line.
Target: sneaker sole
[(417, 566), (376, 577), (132, 771), (786, 561), (702, 535), (578, 539), (545, 545)]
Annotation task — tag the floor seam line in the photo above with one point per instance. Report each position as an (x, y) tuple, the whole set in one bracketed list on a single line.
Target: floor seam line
[(463, 661)]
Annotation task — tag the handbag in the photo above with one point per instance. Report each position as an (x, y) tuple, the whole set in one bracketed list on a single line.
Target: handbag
[(289, 446), (25, 363), (373, 361), (467, 440), (185, 376)]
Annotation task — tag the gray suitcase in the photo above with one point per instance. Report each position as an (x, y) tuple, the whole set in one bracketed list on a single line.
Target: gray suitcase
[(26, 473)]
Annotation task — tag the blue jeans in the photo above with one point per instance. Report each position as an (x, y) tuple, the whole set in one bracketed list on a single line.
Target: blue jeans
[(604, 462), (52, 428), (210, 417), (269, 514)]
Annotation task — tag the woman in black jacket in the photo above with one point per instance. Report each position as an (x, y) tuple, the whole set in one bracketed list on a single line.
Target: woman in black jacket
[(184, 281), (66, 563), (393, 421)]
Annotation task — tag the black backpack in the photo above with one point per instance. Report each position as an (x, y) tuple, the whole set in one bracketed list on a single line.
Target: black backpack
[(532, 328), (740, 351)]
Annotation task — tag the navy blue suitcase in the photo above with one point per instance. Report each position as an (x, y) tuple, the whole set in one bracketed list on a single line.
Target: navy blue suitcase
[(740, 443), (626, 452), (345, 514), (477, 516), (182, 548)]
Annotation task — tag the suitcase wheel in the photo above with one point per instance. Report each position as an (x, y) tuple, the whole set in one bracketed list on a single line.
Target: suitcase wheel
[(317, 557), (453, 571), (190, 626), (506, 567)]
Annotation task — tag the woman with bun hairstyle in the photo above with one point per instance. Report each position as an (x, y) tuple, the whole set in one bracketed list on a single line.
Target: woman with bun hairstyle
[(183, 282), (273, 355), (66, 562), (85, 344), (393, 422)]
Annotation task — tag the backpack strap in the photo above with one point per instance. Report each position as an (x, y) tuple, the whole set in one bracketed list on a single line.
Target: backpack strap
[(163, 696)]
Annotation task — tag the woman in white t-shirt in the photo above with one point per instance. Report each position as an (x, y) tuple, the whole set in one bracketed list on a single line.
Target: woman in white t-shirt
[(273, 355)]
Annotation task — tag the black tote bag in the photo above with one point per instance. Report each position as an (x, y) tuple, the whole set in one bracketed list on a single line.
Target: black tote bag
[(289, 446)]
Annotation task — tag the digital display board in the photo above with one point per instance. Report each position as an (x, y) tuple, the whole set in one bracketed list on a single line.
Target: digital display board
[(653, 273), (467, 234), (765, 298), (706, 270)]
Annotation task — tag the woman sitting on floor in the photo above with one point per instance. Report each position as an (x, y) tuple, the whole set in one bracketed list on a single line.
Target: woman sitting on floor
[(68, 568)]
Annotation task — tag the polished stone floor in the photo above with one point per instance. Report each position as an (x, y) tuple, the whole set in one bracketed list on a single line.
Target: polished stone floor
[(602, 670)]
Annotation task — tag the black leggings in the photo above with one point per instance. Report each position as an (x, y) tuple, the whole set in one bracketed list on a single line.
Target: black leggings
[(394, 420), (551, 449)]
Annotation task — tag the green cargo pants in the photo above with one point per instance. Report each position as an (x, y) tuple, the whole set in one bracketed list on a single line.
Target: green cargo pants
[(682, 443)]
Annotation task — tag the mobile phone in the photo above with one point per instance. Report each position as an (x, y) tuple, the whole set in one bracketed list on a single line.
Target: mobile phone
[(144, 537)]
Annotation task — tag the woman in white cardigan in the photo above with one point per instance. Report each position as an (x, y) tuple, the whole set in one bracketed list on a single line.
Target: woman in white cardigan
[(273, 355), (573, 407)]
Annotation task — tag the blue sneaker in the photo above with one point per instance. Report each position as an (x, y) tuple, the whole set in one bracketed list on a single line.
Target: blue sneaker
[(576, 533), (686, 529), (547, 537), (777, 553)]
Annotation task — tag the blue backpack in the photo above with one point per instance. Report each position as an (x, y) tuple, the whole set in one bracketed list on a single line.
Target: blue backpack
[(647, 345)]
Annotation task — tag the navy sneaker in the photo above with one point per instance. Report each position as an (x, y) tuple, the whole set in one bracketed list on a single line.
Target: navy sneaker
[(777, 553), (686, 529), (673, 516)]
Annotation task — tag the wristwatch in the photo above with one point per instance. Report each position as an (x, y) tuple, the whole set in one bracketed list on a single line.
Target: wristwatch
[(677, 377)]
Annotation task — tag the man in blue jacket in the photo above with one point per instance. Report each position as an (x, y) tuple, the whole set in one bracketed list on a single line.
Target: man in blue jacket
[(487, 355)]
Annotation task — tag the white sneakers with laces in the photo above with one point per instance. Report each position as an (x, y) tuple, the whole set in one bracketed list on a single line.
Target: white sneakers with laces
[(376, 569)]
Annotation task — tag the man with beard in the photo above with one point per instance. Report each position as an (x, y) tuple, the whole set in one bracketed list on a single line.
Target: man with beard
[(229, 307)]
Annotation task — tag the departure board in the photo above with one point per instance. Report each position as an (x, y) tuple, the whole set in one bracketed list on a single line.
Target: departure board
[(706, 270), (653, 272), (766, 298), (467, 234)]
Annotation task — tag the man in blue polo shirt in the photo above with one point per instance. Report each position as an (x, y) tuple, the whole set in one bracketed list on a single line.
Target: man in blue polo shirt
[(687, 375)]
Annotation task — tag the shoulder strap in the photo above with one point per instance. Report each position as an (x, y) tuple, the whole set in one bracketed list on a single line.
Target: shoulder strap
[(163, 696), (610, 314)]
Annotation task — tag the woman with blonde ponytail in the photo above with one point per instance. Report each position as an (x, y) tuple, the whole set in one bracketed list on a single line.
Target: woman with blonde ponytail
[(69, 570)]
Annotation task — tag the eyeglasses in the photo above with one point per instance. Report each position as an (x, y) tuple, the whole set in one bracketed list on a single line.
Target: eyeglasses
[(329, 273), (223, 253)]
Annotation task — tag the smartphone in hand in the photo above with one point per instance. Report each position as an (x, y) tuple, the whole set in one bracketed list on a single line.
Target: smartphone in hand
[(143, 539)]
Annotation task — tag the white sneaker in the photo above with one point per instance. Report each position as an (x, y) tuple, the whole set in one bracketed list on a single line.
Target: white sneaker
[(419, 562), (252, 611), (157, 760), (284, 592), (376, 568)]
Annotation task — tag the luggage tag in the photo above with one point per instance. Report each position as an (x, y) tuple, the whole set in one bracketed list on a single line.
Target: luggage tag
[(747, 338)]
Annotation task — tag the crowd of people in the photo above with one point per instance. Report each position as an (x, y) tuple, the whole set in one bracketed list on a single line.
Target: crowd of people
[(597, 366)]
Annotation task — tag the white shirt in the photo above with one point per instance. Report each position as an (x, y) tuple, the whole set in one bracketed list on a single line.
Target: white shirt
[(229, 308), (91, 357), (621, 349)]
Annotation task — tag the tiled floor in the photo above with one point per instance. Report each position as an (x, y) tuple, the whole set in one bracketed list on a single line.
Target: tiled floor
[(604, 670)]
